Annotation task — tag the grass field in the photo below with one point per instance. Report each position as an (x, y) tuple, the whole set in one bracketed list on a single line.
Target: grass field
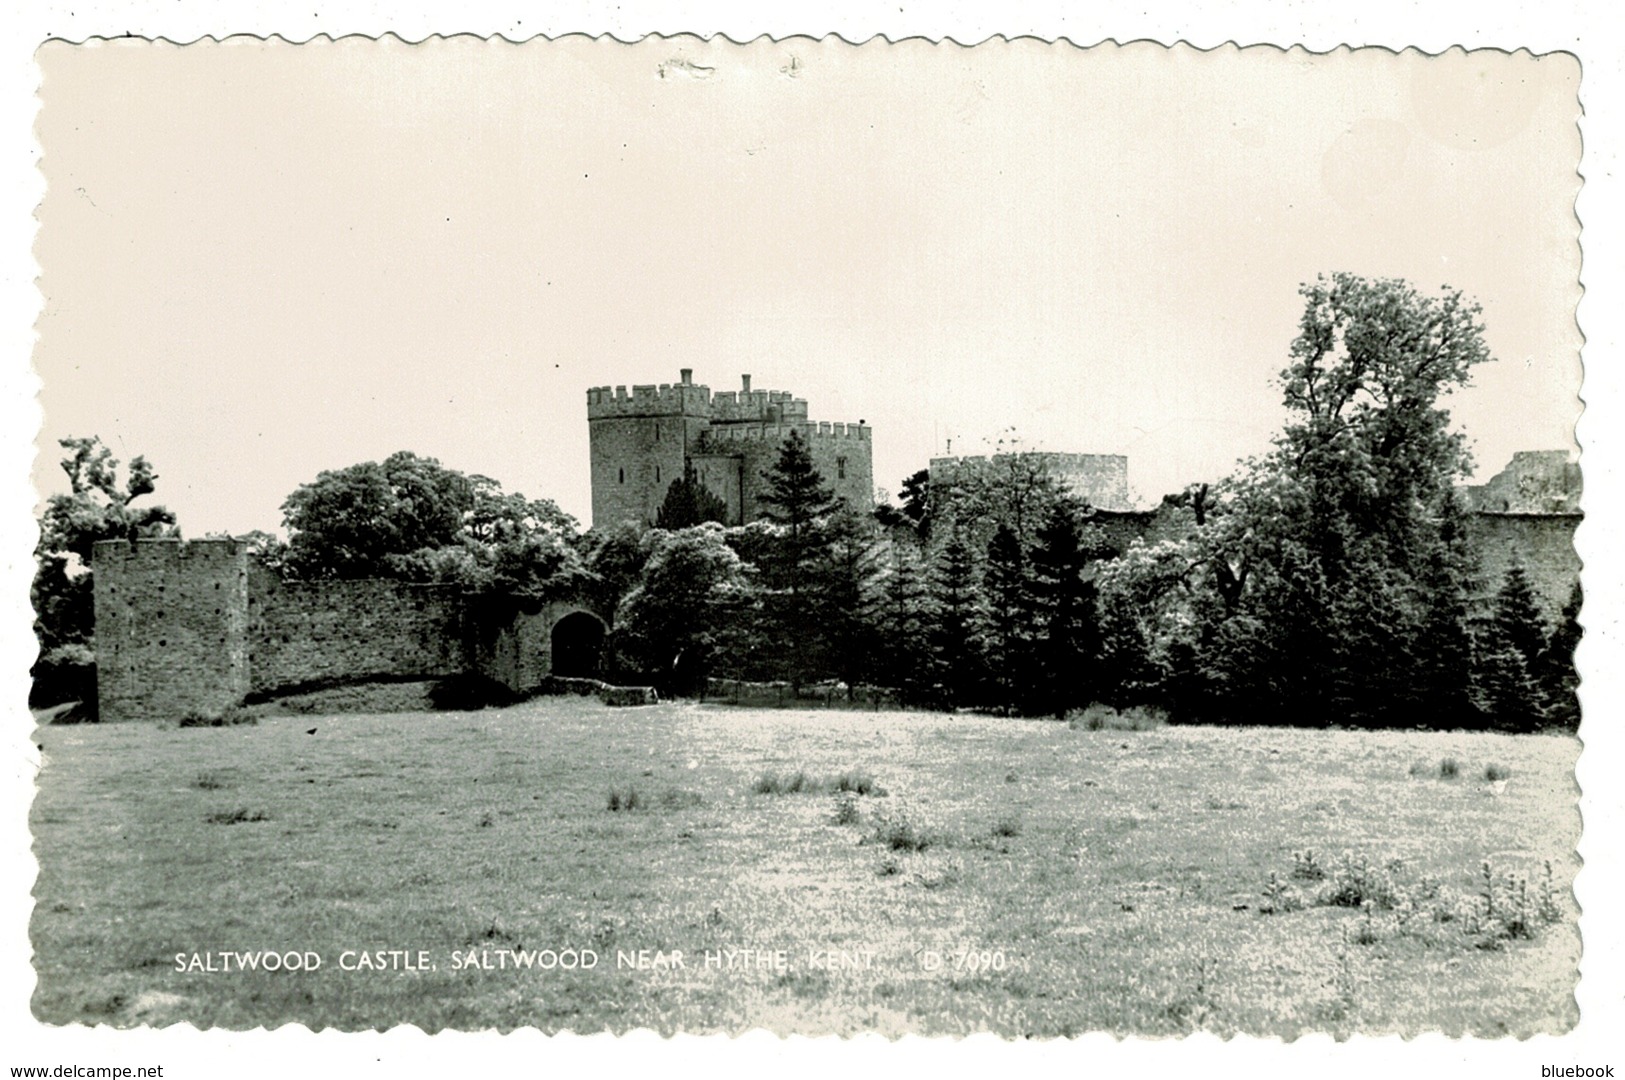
[(1069, 880)]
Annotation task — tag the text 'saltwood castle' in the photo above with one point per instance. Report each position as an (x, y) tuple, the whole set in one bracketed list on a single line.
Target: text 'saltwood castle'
[(199, 627)]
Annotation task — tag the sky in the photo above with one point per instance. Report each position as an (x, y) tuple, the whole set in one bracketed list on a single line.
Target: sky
[(261, 261)]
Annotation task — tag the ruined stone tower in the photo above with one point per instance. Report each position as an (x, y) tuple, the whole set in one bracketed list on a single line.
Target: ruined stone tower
[(171, 627), (642, 441)]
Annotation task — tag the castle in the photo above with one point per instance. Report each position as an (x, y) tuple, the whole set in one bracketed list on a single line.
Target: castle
[(201, 626), (642, 442)]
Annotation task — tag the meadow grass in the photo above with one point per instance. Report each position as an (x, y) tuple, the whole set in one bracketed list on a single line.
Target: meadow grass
[(1150, 882)]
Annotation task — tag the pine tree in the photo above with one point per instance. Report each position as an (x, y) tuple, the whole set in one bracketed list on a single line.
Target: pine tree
[(903, 616), (688, 503), (1559, 678), (793, 564), (1068, 632), (1510, 650), (844, 591), (956, 619), (1009, 620)]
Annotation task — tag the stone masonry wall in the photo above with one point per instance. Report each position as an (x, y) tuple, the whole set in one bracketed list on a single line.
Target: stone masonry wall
[(170, 620), (1543, 544), (300, 632)]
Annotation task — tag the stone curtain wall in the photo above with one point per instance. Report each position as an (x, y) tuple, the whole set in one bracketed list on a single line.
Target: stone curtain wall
[(302, 632), (170, 628), (197, 627)]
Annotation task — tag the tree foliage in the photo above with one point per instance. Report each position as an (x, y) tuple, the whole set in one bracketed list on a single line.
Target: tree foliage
[(411, 518), (98, 506), (689, 606), (1330, 580)]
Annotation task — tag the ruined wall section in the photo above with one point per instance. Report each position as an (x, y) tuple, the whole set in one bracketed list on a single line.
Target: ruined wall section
[(1100, 479), (1534, 482), (303, 632), (1543, 544), (171, 619), (1527, 515)]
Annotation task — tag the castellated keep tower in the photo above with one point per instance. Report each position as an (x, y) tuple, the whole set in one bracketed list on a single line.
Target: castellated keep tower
[(641, 442)]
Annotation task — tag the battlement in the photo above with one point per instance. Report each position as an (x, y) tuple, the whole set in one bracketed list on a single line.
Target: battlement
[(640, 441), (820, 431), (667, 399), (167, 549), (761, 406)]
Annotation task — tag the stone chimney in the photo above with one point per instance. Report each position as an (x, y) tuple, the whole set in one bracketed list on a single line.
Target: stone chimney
[(746, 380), (688, 376)]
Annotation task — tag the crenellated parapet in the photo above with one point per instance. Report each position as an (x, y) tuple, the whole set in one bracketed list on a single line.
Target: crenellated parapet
[(643, 440), (719, 439), (757, 406), (666, 399), (156, 551)]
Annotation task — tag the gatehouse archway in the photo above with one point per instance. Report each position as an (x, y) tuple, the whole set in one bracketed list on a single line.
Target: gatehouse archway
[(577, 642)]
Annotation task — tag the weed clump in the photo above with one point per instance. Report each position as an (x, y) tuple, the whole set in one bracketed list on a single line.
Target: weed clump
[(1098, 717), (678, 799), (857, 783), (1449, 768), (230, 716), (801, 782), (1305, 867), (1506, 906), (629, 799), (896, 831), (846, 809), (784, 783), (1007, 828), (209, 781), (1493, 772), (236, 817)]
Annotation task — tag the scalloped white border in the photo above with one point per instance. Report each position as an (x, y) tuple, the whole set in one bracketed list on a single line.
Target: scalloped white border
[(1580, 27)]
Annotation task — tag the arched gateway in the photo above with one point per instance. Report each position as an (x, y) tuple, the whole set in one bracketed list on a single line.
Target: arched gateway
[(562, 638), (577, 640)]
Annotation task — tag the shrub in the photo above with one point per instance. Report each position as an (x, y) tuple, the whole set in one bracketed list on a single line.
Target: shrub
[(1494, 772), (1279, 897), (65, 673), (630, 799), (896, 831), (801, 782), (465, 693), (1420, 768), (1449, 768)]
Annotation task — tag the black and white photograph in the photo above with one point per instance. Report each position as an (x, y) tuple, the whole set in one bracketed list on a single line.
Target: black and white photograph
[(1027, 540)]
